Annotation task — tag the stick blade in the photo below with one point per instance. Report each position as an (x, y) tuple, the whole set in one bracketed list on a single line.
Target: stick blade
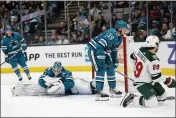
[(170, 98)]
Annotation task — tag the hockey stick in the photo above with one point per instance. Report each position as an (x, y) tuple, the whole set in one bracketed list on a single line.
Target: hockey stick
[(168, 98), (123, 75), (9, 59)]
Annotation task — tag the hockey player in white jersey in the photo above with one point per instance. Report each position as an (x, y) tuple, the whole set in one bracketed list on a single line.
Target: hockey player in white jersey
[(55, 80), (147, 75)]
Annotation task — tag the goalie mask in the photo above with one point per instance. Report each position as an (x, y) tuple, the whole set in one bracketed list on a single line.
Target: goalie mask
[(57, 68)]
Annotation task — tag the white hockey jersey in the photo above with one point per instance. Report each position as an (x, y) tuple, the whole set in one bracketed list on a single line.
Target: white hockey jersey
[(146, 66)]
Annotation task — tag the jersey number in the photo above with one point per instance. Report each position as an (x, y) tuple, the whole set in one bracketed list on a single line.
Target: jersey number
[(138, 68), (110, 36), (156, 66)]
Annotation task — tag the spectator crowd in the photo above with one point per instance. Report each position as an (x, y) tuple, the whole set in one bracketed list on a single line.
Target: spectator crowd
[(143, 18)]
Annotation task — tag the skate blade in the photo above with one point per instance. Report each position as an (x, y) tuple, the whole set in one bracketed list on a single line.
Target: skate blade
[(101, 99), (115, 96)]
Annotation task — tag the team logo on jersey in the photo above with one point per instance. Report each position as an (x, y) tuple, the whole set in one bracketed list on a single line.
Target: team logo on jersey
[(14, 44), (152, 90), (155, 57)]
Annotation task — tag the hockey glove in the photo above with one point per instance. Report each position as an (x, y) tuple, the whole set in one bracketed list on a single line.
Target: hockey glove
[(57, 88), (7, 59), (50, 80), (24, 46), (171, 83), (116, 64)]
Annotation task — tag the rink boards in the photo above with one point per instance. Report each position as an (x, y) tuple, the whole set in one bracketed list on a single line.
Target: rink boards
[(74, 57)]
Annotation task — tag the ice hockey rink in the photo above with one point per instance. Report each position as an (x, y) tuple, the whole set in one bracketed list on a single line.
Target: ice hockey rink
[(73, 105)]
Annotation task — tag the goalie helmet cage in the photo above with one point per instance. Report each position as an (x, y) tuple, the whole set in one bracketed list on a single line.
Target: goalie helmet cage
[(124, 64)]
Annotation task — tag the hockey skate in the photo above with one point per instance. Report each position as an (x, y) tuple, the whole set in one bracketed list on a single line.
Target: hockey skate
[(114, 93), (20, 79), (101, 96), (127, 100), (29, 77)]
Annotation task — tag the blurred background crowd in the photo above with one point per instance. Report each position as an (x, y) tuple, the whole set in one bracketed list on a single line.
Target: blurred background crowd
[(76, 22)]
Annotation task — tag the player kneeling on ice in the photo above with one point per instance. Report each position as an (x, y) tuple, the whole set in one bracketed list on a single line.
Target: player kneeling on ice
[(147, 75), (55, 81)]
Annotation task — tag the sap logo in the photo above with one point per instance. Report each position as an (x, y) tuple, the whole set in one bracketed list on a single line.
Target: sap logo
[(173, 46), (32, 56)]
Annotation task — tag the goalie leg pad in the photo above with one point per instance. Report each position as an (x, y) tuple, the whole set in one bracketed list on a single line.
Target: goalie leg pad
[(28, 90), (83, 87)]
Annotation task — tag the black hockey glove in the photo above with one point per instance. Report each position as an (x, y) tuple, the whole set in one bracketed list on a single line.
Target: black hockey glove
[(171, 83)]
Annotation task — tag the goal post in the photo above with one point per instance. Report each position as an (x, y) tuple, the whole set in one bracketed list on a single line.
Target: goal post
[(125, 63)]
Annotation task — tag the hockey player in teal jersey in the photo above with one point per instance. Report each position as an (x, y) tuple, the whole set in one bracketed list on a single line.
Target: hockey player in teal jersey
[(57, 73), (13, 45), (103, 51), (55, 80)]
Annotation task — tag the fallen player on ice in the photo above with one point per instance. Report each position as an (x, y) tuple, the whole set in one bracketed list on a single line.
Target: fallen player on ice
[(55, 81), (147, 77)]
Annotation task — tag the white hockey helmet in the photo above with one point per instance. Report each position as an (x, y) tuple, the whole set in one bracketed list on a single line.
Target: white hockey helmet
[(152, 41)]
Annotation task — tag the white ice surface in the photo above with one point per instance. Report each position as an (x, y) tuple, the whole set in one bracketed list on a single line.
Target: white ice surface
[(73, 106)]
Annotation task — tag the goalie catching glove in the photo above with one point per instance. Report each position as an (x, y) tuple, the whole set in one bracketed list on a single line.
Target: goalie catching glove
[(50, 80), (55, 86), (171, 83)]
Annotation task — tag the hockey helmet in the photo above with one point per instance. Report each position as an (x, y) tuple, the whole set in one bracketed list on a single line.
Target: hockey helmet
[(57, 67), (7, 28), (152, 41), (121, 24)]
